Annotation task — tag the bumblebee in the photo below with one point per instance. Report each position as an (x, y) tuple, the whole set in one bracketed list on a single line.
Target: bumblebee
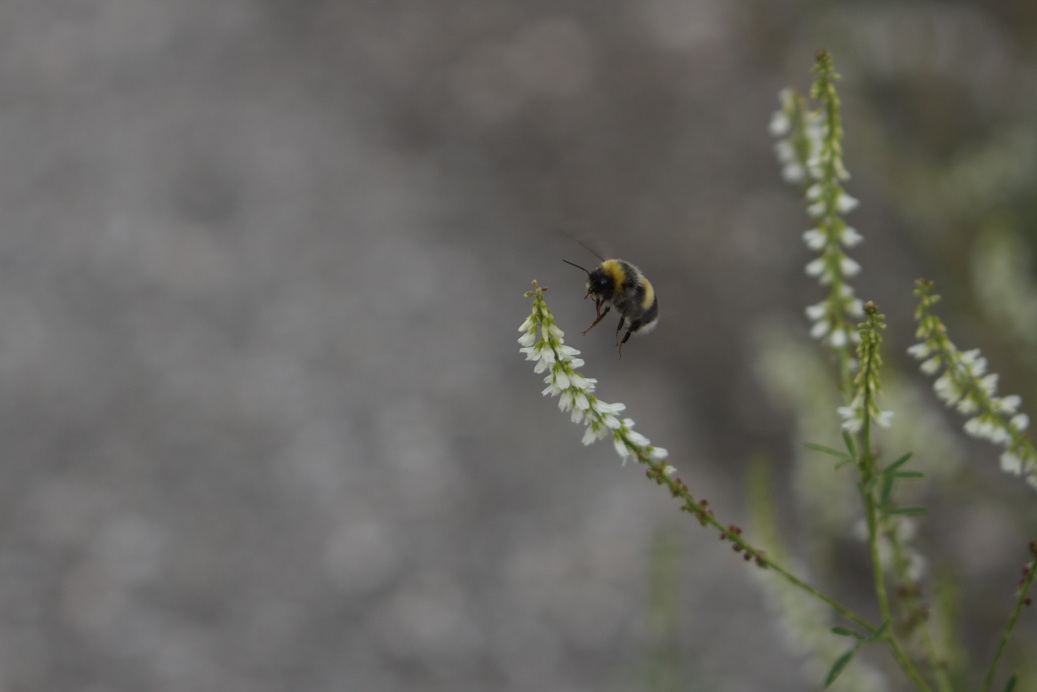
[(616, 283)]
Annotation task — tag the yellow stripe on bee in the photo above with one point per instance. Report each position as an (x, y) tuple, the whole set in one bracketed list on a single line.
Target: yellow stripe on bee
[(649, 293), (614, 269)]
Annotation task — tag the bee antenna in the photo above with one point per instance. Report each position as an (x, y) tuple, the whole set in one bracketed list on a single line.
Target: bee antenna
[(577, 266), (589, 249)]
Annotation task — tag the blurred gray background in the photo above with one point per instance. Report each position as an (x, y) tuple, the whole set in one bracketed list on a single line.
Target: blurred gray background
[(265, 422)]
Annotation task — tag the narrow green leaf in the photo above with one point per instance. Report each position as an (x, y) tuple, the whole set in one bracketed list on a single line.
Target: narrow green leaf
[(898, 463), (1010, 685), (910, 511), (909, 474), (848, 441), (843, 632), (826, 450), (839, 665), (887, 489)]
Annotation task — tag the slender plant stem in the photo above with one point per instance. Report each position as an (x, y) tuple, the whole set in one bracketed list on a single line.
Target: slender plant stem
[(868, 384), (699, 509), (1020, 602)]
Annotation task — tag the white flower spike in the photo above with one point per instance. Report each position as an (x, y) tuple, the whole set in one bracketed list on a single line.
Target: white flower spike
[(575, 392)]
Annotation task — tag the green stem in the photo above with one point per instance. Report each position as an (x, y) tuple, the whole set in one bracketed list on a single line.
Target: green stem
[(866, 468), (656, 471), (1020, 603)]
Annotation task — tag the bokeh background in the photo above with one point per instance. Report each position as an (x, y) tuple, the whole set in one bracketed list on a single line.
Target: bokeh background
[(265, 424)]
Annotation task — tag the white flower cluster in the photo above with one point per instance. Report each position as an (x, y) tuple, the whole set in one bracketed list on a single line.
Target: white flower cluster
[(967, 386), (575, 392), (853, 415), (864, 405), (896, 547), (809, 159), (801, 135)]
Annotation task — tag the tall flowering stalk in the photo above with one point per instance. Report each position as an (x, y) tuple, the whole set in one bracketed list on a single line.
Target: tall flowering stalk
[(543, 342), (811, 154), (965, 384), (887, 530)]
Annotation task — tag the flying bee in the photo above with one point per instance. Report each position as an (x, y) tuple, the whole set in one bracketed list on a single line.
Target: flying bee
[(616, 283)]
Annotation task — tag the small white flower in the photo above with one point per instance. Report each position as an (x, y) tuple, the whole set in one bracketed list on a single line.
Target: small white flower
[(849, 266), (978, 427), (919, 351), (582, 383), (838, 338), (814, 239), (819, 330), (931, 366), (780, 124), (1011, 463), (566, 352), (1020, 422), (845, 203), (784, 151), (591, 434), (620, 446), (884, 418), (999, 435), (637, 439), (916, 566), (850, 237), (967, 407), (528, 339), (852, 421), (946, 389), (532, 352), (1008, 404), (793, 173), (603, 408), (817, 311), (816, 267), (814, 192), (974, 363)]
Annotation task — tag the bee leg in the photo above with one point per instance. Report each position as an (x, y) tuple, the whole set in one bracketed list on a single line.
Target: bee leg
[(619, 344), (599, 317)]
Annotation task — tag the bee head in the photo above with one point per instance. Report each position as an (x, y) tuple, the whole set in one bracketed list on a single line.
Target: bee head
[(600, 283)]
